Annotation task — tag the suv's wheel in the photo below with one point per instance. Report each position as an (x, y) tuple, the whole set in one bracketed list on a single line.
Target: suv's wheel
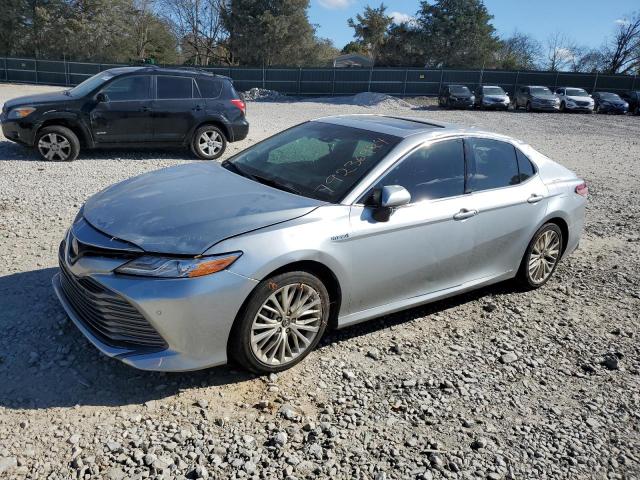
[(208, 142), (528, 107), (281, 323), (541, 257), (57, 143), (563, 107)]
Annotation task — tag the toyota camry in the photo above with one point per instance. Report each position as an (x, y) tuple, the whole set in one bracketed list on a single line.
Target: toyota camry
[(329, 223)]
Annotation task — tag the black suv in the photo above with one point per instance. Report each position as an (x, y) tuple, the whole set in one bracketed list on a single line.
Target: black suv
[(131, 106), (633, 99), (456, 96)]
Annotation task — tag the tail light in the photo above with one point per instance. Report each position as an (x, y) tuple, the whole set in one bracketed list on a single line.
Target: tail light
[(582, 189), (240, 104)]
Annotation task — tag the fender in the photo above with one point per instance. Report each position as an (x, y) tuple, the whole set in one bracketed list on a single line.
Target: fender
[(211, 118), (71, 118)]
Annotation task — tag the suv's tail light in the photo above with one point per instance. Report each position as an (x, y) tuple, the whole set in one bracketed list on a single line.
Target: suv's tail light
[(582, 189), (240, 104)]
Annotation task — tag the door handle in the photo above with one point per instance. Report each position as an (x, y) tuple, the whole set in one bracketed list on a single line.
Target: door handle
[(535, 198), (145, 109), (464, 213)]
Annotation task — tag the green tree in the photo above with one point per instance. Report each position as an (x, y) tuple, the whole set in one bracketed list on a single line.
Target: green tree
[(370, 28), (457, 33), (402, 47)]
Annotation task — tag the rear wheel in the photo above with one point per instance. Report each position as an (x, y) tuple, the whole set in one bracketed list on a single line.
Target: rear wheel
[(208, 142), (283, 320), (57, 143), (541, 257)]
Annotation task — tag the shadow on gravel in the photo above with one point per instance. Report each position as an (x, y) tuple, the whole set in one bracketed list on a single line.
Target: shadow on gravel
[(46, 362), (10, 151)]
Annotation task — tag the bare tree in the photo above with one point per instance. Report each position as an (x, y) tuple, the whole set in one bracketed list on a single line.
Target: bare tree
[(198, 24), (560, 52), (623, 52), (519, 51)]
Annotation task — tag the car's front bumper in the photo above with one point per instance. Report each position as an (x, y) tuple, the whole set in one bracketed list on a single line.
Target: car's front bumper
[(613, 109), (20, 131), (555, 107), (504, 105), (194, 316)]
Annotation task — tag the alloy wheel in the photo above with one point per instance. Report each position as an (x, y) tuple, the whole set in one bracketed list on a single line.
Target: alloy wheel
[(210, 143), (54, 146), (286, 324), (544, 256)]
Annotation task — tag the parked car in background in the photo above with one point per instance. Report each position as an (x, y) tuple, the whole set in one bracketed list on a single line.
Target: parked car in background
[(632, 97), (608, 102), (329, 223), (533, 98), (456, 96), (490, 96), (574, 99), (130, 107)]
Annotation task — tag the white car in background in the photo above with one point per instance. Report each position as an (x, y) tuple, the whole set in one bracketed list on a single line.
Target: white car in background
[(574, 99)]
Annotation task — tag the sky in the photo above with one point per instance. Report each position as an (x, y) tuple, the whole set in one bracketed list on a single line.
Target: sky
[(587, 22)]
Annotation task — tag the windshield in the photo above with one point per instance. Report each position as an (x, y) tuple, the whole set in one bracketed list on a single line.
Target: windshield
[(609, 96), (90, 84), (315, 159), (492, 91), (576, 92), (540, 91), (459, 90)]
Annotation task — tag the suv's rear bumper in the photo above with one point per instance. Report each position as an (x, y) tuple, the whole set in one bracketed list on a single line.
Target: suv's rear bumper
[(239, 130)]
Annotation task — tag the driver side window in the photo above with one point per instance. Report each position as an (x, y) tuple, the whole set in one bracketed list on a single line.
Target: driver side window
[(430, 172), (129, 88)]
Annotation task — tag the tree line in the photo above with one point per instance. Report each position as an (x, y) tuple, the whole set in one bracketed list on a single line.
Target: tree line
[(441, 34), (459, 34)]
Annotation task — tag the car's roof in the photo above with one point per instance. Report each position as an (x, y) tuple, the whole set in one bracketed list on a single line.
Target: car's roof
[(189, 71), (402, 127)]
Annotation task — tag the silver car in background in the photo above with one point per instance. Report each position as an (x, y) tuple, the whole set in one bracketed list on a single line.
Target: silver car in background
[(330, 223)]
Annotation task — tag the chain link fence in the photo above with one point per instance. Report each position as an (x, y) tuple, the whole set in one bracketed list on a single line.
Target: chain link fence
[(332, 81)]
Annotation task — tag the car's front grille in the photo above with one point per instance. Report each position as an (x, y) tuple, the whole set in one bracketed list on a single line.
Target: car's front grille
[(582, 104), (107, 315)]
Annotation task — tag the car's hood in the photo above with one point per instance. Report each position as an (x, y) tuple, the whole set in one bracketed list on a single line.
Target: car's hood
[(186, 209), (579, 99), (38, 99)]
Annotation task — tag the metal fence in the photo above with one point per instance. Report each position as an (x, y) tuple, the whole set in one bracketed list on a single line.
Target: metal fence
[(332, 81)]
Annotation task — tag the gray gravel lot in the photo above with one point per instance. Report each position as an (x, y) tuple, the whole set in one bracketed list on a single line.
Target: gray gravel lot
[(494, 384)]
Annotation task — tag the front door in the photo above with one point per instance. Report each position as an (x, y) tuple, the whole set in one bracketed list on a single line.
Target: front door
[(424, 246), (175, 108), (125, 113), (511, 200)]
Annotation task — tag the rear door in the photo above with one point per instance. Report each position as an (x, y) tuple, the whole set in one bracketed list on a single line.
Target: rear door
[(176, 107), (125, 116), (511, 200)]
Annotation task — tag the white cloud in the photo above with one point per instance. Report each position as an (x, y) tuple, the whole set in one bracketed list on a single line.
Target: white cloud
[(335, 4), (399, 17)]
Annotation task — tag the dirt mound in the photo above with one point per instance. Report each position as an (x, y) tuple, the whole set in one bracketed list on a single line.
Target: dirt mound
[(262, 94), (373, 99)]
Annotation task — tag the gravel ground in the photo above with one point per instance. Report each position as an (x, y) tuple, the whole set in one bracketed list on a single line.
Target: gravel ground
[(498, 384)]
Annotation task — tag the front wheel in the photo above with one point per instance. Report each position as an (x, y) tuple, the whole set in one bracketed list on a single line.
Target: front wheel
[(283, 320), (541, 257), (208, 142), (528, 107), (57, 143), (563, 107)]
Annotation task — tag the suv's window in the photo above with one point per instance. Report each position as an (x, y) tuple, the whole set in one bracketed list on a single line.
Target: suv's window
[(525, 167), (174, 87), (491, 164), (209, 88), (129, 88), (434, 171)]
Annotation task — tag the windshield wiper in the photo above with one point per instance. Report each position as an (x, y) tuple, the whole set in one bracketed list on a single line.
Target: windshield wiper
[(257, 178)]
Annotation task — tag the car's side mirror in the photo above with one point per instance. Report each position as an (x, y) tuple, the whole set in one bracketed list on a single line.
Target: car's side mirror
[(386, 199), (102, 97)]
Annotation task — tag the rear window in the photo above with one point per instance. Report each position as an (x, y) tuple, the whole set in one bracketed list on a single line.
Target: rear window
[(175, 88), (492, 164), (209, 88), (525, 167)]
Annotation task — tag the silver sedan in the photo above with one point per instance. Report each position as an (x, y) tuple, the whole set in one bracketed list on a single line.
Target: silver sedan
[(327, 224)]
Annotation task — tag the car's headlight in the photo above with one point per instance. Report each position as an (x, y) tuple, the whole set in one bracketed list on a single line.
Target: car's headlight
[(556, 100), (20, 112), (168, 267), (473, 98)]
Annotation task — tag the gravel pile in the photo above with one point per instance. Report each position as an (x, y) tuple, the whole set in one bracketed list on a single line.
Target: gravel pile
[(262, 94), (494, 384), (379, 100)]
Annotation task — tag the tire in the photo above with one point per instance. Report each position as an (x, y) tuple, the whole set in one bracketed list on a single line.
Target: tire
[(57, 143), (597, 110), (563, 107), (531, 276), (209, 149), (269, 354), (528, 107)]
